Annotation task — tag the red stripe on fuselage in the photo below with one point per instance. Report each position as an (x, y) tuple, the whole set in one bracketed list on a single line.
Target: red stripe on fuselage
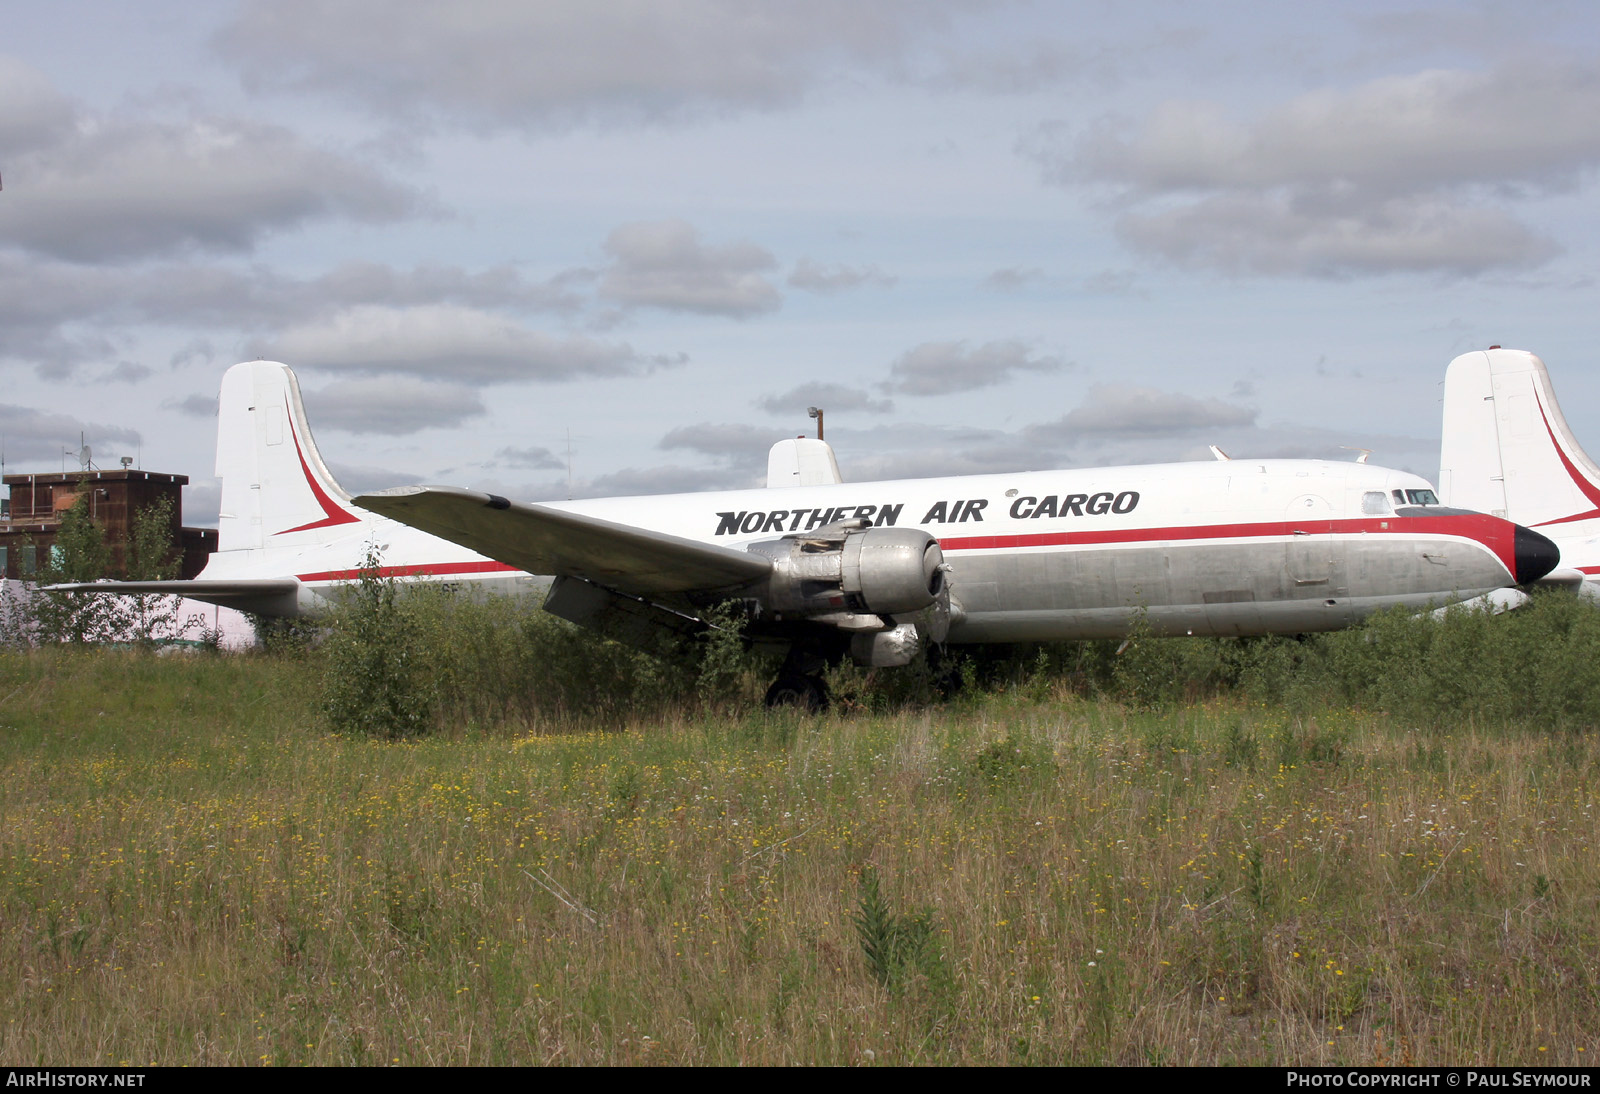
[(1498, 535), (1492, 533), (421, 569), (335, 515)]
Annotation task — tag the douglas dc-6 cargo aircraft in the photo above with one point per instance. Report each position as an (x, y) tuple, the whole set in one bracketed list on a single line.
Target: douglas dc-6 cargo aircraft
[(870, 570), (1507, 450)]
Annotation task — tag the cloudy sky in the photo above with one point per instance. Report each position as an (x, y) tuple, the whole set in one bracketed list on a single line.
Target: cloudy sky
[(630, 241)]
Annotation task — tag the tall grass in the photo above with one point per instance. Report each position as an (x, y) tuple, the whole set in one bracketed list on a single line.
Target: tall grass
[(432, 659), (194, 869), (1539, 665)]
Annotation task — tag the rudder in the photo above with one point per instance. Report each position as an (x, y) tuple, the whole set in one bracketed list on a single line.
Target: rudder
[(276, 490), (1507, 448)]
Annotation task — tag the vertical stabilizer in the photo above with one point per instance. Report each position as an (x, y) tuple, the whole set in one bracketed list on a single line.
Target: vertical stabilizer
[(276, 491), (1507, 449), (803, 461)]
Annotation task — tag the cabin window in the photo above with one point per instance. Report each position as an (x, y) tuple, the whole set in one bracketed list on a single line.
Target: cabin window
[(1373, 503), (1422, 497)]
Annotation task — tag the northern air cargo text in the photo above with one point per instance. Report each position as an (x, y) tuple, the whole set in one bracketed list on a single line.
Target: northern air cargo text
[(958, 511)]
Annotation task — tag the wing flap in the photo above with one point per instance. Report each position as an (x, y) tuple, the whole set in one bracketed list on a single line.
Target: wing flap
[(543, 540)]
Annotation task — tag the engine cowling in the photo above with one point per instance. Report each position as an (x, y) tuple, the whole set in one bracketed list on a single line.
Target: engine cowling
[(850, 568)]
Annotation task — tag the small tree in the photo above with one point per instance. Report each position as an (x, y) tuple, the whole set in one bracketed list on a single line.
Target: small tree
[(149, 556), (79, 553), (376, 682)]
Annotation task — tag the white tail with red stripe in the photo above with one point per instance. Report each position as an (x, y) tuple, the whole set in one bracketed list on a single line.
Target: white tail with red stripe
[(276, 491), (288, 532), (1507, 449)]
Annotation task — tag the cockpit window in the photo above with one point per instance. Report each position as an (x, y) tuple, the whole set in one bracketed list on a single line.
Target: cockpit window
[(1422, 497), (1374, 503), (1399, 496)]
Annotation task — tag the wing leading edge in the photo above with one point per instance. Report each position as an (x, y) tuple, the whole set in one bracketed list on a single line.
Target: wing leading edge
[(542, 540)]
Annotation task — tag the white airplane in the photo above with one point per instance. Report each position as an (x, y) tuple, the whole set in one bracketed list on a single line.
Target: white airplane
[(872, 570), (1507, 450)]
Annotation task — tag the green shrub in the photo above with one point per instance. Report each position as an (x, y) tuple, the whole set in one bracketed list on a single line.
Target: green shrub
[(376, 681)]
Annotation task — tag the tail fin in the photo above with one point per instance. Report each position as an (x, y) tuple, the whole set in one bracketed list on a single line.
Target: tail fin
[(276, 491), (802, 462), (1507, 449)]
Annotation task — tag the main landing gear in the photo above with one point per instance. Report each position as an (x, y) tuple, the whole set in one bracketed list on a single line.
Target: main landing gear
[(799, 683)]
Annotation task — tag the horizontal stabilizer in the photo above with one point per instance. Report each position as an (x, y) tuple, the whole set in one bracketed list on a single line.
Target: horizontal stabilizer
[(1563, 577), (267, 595), (1500, 600), (544, 540)]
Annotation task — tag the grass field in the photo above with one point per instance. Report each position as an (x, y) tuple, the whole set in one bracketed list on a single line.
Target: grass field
[(194, 870)]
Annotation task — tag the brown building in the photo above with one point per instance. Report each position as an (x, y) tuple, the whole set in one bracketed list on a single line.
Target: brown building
[(29, 520)]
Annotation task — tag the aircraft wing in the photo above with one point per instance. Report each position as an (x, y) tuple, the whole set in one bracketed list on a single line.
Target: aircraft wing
[(542, 540), (273, 595)]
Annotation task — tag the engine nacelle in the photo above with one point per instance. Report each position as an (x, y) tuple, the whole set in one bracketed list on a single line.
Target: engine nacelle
[(849, 568)]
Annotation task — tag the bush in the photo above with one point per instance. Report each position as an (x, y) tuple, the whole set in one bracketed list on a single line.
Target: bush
[(402, 660), (376, 681)]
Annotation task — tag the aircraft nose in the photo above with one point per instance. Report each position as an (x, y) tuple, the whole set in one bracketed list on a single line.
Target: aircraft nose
[(1535, 555)]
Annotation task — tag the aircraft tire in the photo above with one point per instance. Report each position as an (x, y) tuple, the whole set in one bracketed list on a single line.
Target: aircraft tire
[(805, 693)]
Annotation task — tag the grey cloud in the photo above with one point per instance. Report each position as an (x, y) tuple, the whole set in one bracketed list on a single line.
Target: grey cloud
[(815, 277), (830, 397), (531, 459), (58, 315), (357, 478), (459, 343), (112, 188), (666, 479), (745, 445), (1399, 134), (490, 64), (496, 286), (1013, 278), (1402, 173), (32, 112), (1120, 410), (392, 405), (196, 350), (663, 264), (126, 372), (941, 368), (1110, 283), (41, 435), (1016, 71), (195, 406), (917, 450), (1275, 234)]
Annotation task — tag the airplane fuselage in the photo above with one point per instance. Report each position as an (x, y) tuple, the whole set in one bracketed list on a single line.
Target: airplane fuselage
[(1220, 547)]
